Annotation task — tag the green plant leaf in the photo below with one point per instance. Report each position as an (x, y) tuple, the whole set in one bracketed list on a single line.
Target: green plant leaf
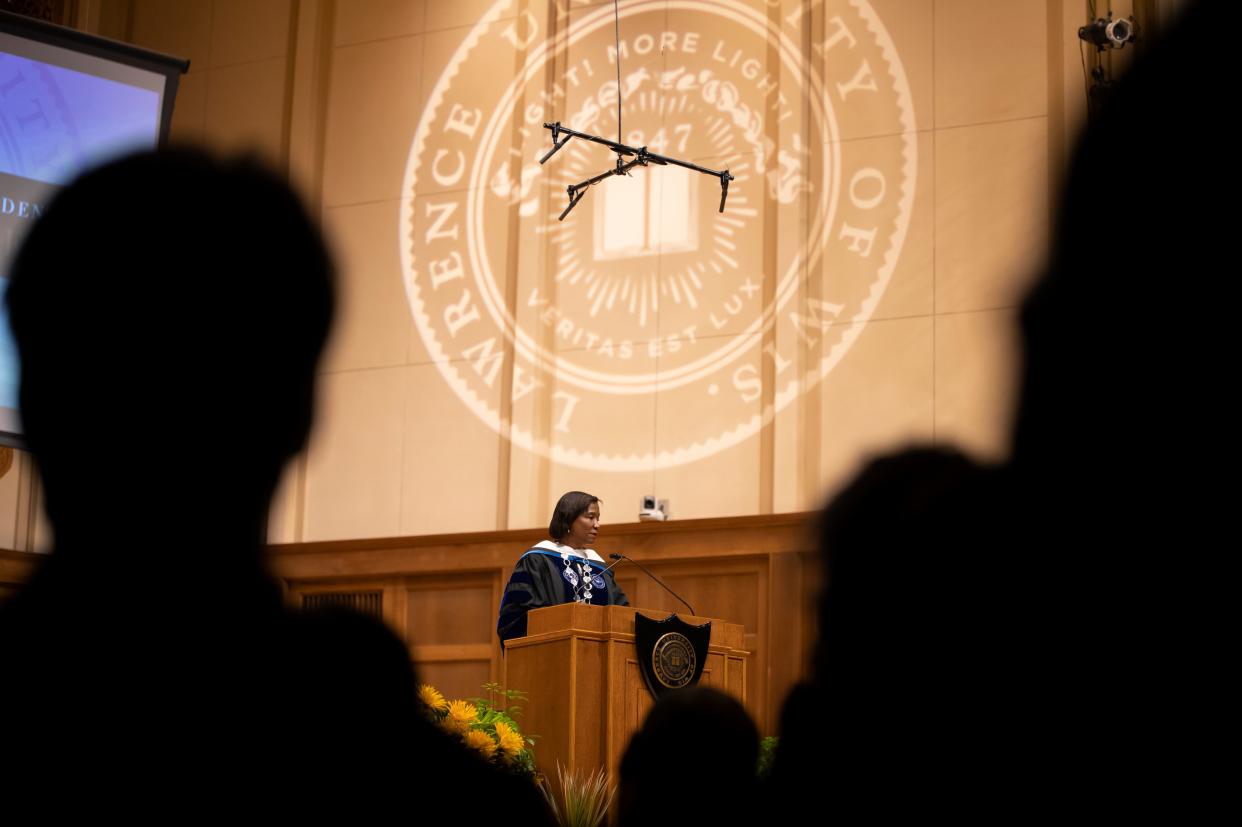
[(584, 797)]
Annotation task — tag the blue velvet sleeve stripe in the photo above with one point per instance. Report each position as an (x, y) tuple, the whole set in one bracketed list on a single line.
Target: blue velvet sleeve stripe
[(517, 628), (514, 596), (508, 619), (522, 578)]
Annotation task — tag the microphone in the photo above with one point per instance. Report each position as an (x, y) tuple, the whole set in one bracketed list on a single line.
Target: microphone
[(610, 566), (620, 557)]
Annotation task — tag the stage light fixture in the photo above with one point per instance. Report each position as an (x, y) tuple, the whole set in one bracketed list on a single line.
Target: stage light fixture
[(1107, 33), (637, 155), (640, 157)]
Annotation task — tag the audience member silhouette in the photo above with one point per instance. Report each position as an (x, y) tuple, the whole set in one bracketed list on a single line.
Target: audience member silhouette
[(170, 310), (1009, 640), (916, 654), (694, 761), (1126, 435)]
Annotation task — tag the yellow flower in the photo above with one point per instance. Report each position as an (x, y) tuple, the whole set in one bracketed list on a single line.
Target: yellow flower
[(481, 741), (431, 696), (510, 741), (460, 716)]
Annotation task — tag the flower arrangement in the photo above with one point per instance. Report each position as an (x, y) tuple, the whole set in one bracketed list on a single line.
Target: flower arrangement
[(484, 726)]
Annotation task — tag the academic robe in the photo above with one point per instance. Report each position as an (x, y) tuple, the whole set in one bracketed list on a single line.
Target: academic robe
[(549, 574)]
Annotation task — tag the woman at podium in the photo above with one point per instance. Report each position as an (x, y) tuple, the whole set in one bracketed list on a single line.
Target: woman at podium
[(564, 569)]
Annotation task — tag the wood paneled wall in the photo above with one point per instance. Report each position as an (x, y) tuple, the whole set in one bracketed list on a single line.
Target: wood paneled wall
[(440, 593)]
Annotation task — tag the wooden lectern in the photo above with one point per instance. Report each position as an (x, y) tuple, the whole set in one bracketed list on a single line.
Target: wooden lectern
[(579, 666)]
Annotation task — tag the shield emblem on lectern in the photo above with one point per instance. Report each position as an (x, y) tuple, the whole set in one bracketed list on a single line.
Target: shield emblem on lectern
[(671, 652)]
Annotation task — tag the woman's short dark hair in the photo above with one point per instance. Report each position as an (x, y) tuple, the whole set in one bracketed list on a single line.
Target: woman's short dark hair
[(570, 507)]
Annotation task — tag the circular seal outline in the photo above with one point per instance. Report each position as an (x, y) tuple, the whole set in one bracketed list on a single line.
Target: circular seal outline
[(743, 430), (667, 641)]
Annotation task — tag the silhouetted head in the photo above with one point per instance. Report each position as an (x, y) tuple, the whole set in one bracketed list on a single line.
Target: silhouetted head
[(169, 311), (907, 544), (697, 752)]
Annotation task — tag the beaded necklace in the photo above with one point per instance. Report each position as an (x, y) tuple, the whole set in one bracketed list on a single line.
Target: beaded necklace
[(580, 579)]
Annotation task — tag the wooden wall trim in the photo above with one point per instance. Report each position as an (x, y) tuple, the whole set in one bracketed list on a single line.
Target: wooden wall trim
[(761, 533), (16, 566), (755, 521), (684, 539)]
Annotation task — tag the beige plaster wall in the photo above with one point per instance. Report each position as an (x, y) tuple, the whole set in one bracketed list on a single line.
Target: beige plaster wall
[(334, 93)]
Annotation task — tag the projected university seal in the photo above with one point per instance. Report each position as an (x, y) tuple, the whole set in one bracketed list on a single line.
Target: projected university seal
[(646, 299)]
